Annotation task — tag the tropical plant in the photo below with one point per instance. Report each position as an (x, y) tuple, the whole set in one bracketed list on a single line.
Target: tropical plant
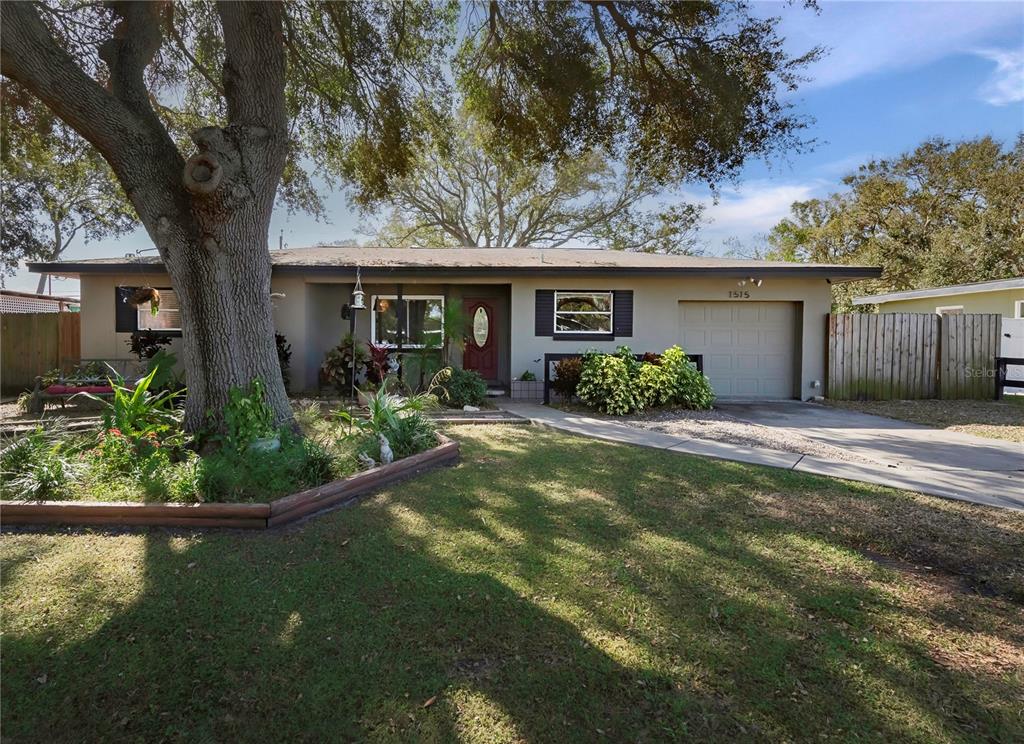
[(567, 377), (138, 413), (162, 365), (380, 363), (528, 376), (465, 387), (343, 364), (146, 344)]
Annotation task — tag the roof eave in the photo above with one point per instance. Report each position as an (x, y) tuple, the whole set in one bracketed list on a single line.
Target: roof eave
[(841, 273)]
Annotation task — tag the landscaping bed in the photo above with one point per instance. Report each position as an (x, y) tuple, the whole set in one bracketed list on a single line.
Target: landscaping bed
[(242, 516), (140, 453), (547, 587)]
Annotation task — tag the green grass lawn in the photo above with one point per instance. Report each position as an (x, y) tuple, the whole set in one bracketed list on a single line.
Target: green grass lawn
[(549, 588)]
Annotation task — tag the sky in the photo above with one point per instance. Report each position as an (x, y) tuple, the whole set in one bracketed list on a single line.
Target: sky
[(895, 74)]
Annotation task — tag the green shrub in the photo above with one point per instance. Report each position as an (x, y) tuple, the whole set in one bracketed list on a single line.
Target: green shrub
[(619, 383), (247, 416), (605, 384), (690, 388), (465, 387), (246, 475), (528, 376), (653, 386), (567, 377)]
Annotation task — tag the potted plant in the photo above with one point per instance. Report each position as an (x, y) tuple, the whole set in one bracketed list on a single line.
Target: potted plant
[(527, 387)]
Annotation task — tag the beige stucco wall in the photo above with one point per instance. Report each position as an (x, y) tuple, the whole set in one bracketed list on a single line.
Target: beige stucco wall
[(656, 316), (309, 315), (98, 295), (1001, 302)]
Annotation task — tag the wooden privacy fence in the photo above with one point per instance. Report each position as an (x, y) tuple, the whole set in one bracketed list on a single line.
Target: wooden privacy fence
[(906, 356), (34, 343)]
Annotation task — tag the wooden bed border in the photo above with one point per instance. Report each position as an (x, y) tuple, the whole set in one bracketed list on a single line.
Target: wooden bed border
[(235, 516)]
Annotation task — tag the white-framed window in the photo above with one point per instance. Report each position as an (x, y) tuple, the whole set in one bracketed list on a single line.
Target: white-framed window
[(168, 316), (1018, 309), (424, 320), (583, 312), (949, 310)]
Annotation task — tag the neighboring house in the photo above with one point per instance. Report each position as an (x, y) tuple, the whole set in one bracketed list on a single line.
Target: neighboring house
[(759, 325), (1002, 296), (29, 302)]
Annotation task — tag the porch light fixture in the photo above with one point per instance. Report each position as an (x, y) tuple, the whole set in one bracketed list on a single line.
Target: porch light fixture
[(751, 280), (358, 301)]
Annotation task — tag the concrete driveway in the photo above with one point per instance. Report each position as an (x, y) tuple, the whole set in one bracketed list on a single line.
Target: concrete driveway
[(988, 471), (885, 441)]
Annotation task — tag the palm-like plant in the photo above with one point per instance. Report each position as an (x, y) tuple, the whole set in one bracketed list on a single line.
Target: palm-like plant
[(135, 411)]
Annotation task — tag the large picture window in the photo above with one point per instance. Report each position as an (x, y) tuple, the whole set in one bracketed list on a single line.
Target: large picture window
[(583, 312), (167, 318), (422, 319)]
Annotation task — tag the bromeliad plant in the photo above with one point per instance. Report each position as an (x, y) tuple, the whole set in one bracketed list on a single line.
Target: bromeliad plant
[(138, 414)]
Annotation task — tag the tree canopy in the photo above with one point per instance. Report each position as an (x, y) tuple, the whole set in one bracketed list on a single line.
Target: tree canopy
[(207, 112), (55, 186), (462, 193), (945, 213)]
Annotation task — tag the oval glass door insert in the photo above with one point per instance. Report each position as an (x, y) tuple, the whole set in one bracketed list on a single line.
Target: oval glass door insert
[(481, 326)]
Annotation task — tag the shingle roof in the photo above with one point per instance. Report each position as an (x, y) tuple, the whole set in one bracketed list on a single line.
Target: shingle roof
[(484, 260)]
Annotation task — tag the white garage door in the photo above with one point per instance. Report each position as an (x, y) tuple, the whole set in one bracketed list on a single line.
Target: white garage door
[(749, 348)]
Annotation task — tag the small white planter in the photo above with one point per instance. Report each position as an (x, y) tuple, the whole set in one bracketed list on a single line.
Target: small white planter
[(266, 444)]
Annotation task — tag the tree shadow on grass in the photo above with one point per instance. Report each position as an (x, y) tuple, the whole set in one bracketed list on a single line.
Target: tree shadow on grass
[(639, 602)]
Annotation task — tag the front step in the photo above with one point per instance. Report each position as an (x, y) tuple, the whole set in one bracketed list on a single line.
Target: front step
[(496, 392)]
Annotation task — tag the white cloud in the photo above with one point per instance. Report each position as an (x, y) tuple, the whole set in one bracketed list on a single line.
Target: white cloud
[(753, 207), (868, 38), (1006, 84)]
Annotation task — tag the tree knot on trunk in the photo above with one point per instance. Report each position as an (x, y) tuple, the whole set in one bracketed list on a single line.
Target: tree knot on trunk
[(203, 174)]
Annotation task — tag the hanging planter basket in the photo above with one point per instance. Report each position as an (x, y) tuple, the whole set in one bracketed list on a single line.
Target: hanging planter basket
[(142, 295)]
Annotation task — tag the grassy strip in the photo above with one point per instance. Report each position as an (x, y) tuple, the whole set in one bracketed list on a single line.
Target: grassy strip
[(548, 588)]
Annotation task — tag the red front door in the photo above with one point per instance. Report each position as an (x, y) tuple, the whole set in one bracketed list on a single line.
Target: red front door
[(481, 352)]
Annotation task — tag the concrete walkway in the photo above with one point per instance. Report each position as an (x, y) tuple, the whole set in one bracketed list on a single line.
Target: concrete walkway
[(993, 475)]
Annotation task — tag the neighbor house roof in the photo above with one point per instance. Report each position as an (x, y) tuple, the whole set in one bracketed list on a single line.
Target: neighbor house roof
[(997, 285), (378, 261)]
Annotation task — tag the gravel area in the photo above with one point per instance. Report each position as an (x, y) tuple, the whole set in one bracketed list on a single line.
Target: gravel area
[(721, 427)]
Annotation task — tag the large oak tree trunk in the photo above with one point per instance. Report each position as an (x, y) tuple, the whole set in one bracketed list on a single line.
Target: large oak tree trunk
[(209, 217)]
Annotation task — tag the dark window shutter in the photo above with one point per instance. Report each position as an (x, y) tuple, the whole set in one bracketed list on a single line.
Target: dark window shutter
[(622, 313), (544, 313), (126, 316)]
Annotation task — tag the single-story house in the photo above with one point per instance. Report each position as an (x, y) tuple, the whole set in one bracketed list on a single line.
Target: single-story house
[(760, 326), (1002, 296)]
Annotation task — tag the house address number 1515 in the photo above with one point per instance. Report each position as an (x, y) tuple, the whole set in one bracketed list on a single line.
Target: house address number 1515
[(739, 294)]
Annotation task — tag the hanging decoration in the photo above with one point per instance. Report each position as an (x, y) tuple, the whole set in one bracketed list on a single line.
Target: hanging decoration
[(143, 295)]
